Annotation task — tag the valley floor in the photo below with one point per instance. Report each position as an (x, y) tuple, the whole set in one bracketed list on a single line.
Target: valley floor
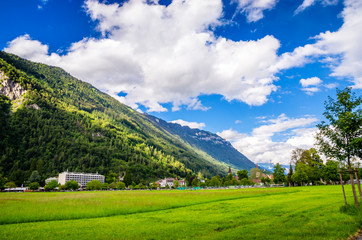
[(271, 213)]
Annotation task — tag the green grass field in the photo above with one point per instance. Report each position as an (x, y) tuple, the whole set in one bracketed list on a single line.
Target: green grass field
[(272, 213)]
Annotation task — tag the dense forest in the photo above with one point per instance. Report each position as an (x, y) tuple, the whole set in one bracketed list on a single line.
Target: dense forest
[(214, 145), (63, 123)]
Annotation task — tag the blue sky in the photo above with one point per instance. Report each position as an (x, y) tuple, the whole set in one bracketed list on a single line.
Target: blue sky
[(257, 72)]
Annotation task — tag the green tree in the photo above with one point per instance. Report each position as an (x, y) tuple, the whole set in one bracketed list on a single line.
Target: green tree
[(175, 183), (128, 178), (10, 185), (71, 185), (301, 173), (289, 176), (265, 180), (278, 174), (195, 182), (34, 177), (94, 185), (242, 174), (215, 181), (34, 186), (4, 115), (3, 180), (330, 171), (229, 177), (111, 177), (121, 185), (113, 185), (341, 137), (51, 185), (105, 186)]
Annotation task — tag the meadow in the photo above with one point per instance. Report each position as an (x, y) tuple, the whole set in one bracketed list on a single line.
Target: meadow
[(270, 213)]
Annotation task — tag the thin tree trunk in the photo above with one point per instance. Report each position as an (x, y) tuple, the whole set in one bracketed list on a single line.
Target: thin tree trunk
[(344, 194), (358, 184), (352, 182), (353, 188)]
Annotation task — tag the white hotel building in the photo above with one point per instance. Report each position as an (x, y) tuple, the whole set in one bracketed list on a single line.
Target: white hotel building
[(81, 178)]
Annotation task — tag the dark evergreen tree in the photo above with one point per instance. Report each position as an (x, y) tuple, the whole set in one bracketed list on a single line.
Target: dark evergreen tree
[(128, 178)]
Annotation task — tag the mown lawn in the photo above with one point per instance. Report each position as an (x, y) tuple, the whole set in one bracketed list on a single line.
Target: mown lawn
[(273, 213)]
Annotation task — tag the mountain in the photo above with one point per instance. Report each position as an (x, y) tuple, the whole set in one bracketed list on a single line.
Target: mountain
[(270, 167), (212, 144), (51, 122)]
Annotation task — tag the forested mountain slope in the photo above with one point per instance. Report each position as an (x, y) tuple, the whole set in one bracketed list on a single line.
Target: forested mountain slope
[(212, 144), (56, 122)]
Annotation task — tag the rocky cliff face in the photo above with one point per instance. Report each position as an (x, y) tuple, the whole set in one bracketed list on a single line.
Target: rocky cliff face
[(9, 88)]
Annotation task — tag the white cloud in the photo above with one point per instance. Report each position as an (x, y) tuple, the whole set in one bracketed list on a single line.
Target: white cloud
[(338, 50), (259, 146), (298, 58), (313, 81), (27, 48), (253, 9), (311, 85), (345, 45), (308, 3), (189, 124), (157, 54)]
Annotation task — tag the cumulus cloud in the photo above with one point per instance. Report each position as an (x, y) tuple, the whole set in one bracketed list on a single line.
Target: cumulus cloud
[(158, 54), (345, 45), (313, 81), (311, 85), (253, 9), (259, 145), (339, 50), (189, 124), (308, 3)]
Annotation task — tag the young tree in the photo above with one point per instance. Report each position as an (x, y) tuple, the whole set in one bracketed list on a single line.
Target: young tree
[(279, 176), (341, 138)]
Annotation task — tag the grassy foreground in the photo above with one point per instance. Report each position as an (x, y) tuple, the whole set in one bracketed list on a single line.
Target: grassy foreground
[(274, 213)]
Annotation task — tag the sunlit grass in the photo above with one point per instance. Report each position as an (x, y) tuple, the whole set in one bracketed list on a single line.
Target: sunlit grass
[(278, 213)]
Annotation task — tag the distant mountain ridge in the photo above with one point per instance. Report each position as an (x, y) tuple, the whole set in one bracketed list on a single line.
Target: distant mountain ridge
[(51, 121), (270, 167), (211, 143)]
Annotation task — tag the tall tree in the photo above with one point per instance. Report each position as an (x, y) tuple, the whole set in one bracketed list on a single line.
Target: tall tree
[(289, 176), (341, 137), (242, 174), (279, 176), (128, 177)]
